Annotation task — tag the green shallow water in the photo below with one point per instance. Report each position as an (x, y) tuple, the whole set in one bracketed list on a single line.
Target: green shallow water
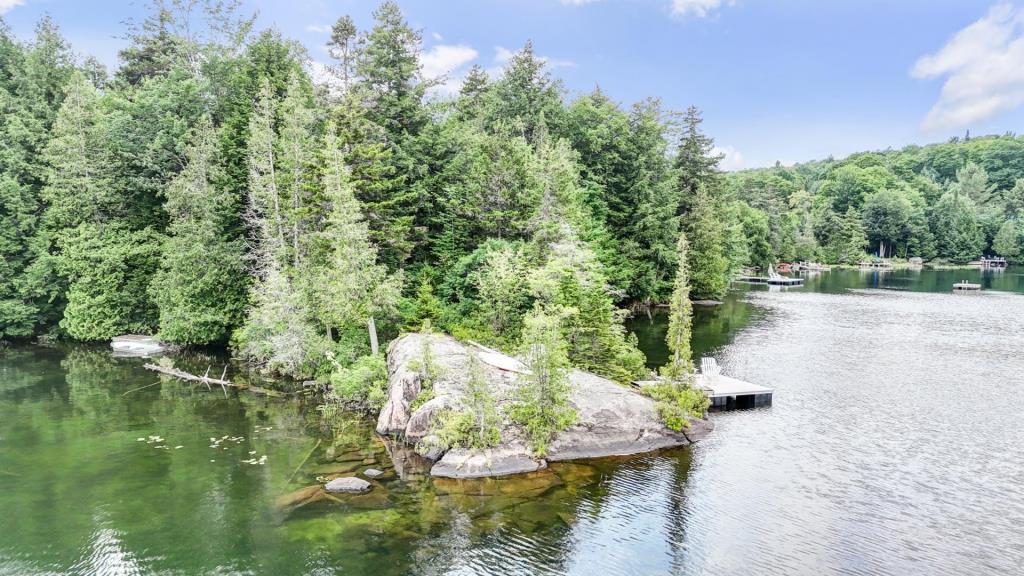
[(878, 457)]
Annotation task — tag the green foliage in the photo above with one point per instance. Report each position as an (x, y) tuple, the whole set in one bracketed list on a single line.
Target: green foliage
[(108, 272), (475, 423), (886, 217), (362, 386), (541, 404), (708, 264), (200, 286), (428, 372), (680, 319), (277, 335), (677, 402), (1009, 241), (426, 308), (901, 196), (957, 232)]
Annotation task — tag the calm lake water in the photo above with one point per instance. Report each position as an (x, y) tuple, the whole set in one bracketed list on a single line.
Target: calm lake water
[(893, 447)]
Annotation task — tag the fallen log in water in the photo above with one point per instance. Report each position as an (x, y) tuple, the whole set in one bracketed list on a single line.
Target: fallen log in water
[(181, 374), (205, 379)]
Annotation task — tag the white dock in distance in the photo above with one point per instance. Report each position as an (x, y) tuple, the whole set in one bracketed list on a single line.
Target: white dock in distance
[(966, 286), (724, 391)]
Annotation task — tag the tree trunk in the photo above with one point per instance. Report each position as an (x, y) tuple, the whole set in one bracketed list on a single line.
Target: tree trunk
[(372, 327)]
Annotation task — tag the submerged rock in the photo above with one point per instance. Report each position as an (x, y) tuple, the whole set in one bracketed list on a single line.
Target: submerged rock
[(301, 497), (348, 485), (612, 420), (707, 303), (498, 461)]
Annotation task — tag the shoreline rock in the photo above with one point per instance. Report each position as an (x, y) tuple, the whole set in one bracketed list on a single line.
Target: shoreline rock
[(612, 420)]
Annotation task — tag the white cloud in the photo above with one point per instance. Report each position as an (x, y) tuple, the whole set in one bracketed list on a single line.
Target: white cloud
[(445, 58), (8, 5), (436, 36), (502, 55), (450, 62), (318, 28), (322, 75), (732, 159), (698, 8), (984, 69)]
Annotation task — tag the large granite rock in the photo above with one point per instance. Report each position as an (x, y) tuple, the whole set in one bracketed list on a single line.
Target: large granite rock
[(612, 420), (498, 461)]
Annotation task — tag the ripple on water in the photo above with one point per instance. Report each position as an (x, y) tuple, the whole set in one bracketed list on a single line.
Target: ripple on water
[(892, 448)]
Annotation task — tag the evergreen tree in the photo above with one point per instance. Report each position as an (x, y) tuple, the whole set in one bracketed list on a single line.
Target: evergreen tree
[(379, 184), (295, 144), (347, 286), (886, 217), (542, 398), (696, 162), (954, 222), (1008, 241), (525, 98), (344, 47), (852, 240), (200, 287), (390, 91), (680, 320), (78, 187), (709, 266)]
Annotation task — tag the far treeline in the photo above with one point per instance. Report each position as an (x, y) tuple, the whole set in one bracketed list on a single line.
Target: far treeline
[(951, 202), (211, 191)]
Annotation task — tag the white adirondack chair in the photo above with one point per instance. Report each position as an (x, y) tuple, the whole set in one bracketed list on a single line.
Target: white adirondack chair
[(709, 368)]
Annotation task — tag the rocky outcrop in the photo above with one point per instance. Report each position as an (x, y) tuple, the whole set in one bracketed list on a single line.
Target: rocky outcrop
[(612, 420)]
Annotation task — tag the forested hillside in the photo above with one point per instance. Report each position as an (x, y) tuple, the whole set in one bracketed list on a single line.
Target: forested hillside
[(951, 202), (209, 191)]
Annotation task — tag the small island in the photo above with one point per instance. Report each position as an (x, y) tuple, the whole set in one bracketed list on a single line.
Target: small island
[(611, 419)]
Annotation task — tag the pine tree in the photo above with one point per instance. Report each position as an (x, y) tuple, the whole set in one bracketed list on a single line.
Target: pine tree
[(266, 209), (680, 318), (954, 221), (852, 240), (344, 47), (696, 162), (200, 287), (78, 180), (709, 266), (542, 397), (33, 80), (278, 334), (348, 286), (293, 163), (526, 98)]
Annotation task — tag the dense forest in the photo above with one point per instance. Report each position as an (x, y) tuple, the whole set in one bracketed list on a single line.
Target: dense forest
[(209, 191), (951, 202)]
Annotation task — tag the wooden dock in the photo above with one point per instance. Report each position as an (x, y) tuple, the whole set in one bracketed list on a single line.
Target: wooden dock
[(780, 281), (966, 287), (727, 392)]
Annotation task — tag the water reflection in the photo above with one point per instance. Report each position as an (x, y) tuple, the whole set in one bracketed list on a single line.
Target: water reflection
[(892, 447)]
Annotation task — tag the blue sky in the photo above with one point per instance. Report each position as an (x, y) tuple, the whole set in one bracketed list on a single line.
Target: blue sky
[(783, 80)]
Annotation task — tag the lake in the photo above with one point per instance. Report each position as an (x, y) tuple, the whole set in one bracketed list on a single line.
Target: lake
[(892, 447)]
